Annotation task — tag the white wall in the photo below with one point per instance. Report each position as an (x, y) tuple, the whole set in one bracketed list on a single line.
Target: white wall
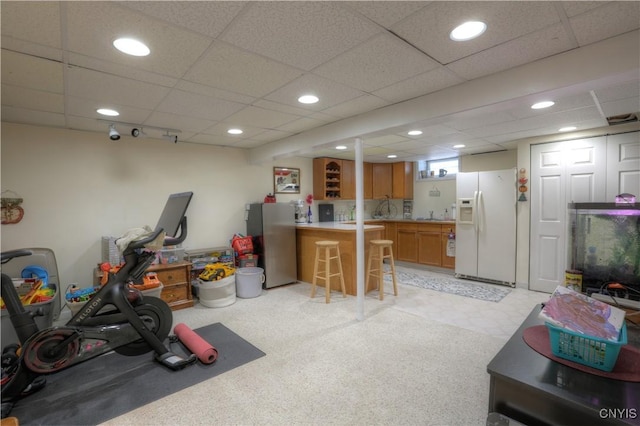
[(80, 186)]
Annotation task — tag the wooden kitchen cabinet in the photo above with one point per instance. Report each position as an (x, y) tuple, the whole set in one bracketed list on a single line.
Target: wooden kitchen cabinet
[(447, 261), (367, 180), (327, 178), (391, 233), (429, 244), (407, 242), (402, 180), (176, 279), (348, 180), (382, 180)]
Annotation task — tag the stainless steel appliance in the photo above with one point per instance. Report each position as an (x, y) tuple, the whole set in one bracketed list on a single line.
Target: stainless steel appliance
[(274, 241)]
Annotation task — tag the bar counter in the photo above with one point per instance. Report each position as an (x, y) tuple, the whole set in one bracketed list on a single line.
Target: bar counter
[(345, 233)]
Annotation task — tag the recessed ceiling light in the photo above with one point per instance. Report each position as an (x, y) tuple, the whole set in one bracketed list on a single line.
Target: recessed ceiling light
[(414, 132), (131, 47), (460, 145), (567, 129), (392, 156), (467, 31), (341, 147), (308, 99), (234, 131), (107, 111), (541, 105)]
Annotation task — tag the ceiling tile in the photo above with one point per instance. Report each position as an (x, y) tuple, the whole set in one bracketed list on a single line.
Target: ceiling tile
[(83, 107), (356, 106), (422, 84), (198, 106), (329, 92), (93, 26), (625, 90), (271, 135), (220, 129), (519, 51), (301, 34), (207, 17), (621, 106), (384, 140), (386, 13), (429, 28), (183, 123), (38, 100), (380, 62), (213, 92), (300, 125), (226, 67), (588, 26), (37, 22), (29, 116), (111, 89), (91, 63), (35, 73)]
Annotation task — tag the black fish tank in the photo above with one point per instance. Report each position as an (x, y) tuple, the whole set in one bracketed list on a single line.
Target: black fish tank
[(605, 247)]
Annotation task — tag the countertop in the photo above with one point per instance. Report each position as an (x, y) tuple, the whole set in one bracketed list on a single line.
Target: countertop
[(335, 226), (445, 222)]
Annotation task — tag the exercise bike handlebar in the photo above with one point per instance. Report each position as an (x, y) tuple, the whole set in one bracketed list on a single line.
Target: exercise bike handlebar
[(8, 255)]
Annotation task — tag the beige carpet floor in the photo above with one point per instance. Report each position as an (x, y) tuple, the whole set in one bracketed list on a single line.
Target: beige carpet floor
[(322, 366)]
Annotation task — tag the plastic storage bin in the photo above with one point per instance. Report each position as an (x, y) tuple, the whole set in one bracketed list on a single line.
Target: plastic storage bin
[(217, 294), (9, 335), (587, 350), (249, 282), (44, 258), (171, 255)]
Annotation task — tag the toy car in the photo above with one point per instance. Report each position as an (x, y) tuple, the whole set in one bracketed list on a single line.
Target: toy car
[(216, 271)]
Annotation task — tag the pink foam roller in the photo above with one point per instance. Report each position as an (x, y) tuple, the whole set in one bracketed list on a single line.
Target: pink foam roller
[(206, 353)]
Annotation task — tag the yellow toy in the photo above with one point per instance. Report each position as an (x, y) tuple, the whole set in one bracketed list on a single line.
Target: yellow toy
[(216, 271)]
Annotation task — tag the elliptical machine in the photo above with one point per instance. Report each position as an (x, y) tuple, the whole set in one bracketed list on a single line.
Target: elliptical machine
[(118, 318)]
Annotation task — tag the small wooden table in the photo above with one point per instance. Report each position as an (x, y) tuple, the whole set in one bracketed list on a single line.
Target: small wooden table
[(345, 234), (535, 390)]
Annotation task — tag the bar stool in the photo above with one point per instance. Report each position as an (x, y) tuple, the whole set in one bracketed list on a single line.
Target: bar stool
[(378, 251), (323, 254)]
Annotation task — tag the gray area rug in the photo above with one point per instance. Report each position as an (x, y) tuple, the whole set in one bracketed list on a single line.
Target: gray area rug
[(487, 292), (108, 386)]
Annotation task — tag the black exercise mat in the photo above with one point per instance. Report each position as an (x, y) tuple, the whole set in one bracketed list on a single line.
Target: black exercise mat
[(108, 386)]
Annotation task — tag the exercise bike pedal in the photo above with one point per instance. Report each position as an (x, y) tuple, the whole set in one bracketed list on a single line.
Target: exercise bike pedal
[(176, 362)]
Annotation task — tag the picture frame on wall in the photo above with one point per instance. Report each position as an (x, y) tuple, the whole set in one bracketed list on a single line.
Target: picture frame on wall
[(286, 180)]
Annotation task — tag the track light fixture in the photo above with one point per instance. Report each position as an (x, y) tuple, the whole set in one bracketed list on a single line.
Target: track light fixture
[(172, 138), (138, 133), (113, 133), (137, 130)]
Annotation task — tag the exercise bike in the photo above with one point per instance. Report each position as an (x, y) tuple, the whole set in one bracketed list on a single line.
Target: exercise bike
[(117, 318)]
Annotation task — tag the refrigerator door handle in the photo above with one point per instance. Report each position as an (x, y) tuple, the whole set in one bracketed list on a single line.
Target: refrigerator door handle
[(474, 217), (480, 208)]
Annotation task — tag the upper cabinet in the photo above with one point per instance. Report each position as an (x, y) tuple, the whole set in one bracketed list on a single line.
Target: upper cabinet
[(335, 179), (348, 180), (327, 179), (403, 180), (382, 176)]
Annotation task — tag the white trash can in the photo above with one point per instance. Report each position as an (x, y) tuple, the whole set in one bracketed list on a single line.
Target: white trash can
[(249, 282), (217, 294)]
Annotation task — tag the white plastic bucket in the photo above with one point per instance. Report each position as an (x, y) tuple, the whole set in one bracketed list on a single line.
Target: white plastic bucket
[(217, 294), (249, 282)]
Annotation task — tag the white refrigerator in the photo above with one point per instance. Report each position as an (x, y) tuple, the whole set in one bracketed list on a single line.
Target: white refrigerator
[(486, 226)]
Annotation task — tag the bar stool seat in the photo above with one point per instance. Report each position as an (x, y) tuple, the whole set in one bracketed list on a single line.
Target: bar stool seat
[(378, 251), (323, 254)]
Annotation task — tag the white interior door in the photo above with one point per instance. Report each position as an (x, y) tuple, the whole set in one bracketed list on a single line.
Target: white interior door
[(623, 165), (561, 172)]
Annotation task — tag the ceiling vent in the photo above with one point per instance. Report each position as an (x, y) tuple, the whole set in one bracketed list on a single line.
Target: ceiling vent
[(623, 118)]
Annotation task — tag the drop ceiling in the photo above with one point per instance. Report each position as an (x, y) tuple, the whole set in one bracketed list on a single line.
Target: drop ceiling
[(380, 69)]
